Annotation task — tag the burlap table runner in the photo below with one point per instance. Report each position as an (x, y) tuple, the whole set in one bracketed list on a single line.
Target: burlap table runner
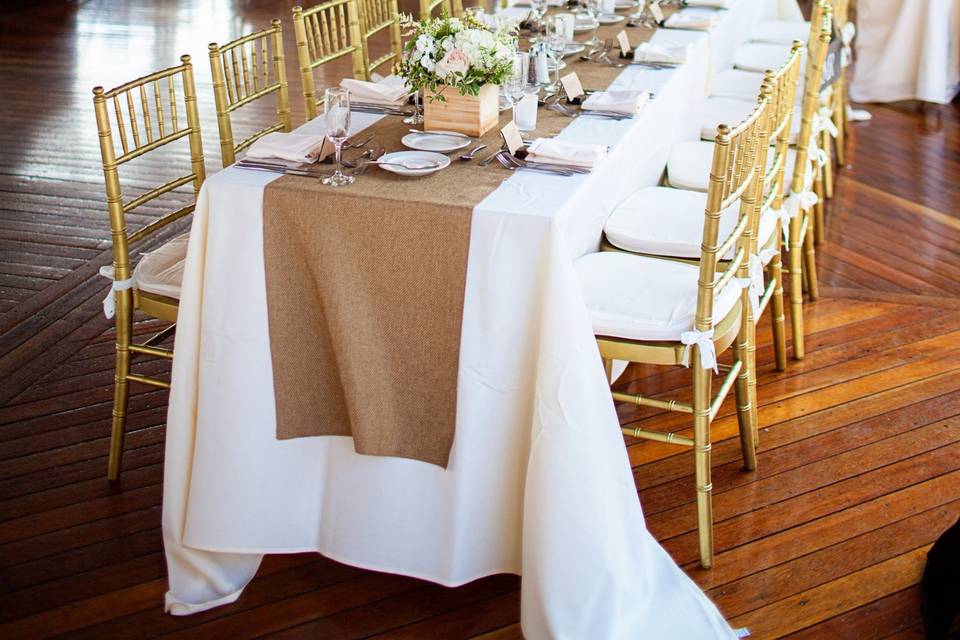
[(365, 290)]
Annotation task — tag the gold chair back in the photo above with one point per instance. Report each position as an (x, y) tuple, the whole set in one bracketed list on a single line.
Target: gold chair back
[(377, 16), (427, 7), (241, 71), (326, 32), (161, 125)]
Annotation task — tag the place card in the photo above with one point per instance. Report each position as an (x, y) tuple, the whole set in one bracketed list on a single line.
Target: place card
[(624, 43), (571, 86), (657, 12), (511, 137)]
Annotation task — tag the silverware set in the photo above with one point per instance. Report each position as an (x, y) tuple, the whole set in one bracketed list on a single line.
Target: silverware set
[(378, 109), (512, 163)]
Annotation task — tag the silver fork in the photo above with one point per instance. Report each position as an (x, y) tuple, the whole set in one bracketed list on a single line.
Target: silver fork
[(358, 145), (513, 167), (470, 154), (542, 165), (374, 154)]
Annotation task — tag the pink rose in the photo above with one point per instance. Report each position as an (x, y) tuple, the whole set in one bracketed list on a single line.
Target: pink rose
[(455, 61)]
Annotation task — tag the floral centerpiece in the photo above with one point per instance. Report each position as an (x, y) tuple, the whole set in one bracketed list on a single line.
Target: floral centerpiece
[(462, 54)]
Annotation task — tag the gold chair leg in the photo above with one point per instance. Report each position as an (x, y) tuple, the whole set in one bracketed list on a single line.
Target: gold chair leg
[(777, 313), (817, 230), (701, 435), (124, 322), (840, 120), (810, 267), (795, 257), (745, 391), (608, 369)]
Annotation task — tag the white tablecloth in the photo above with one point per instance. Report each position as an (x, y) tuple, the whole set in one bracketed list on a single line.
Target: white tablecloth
[(907, 50), (538, 484)]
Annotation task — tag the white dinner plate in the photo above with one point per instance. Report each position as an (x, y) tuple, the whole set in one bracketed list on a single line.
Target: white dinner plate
[(625, 4), (435, 142), (610, 19), (573, 48), (413, 158)]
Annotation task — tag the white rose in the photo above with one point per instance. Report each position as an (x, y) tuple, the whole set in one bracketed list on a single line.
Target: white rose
[(425, 44), (456, 61)]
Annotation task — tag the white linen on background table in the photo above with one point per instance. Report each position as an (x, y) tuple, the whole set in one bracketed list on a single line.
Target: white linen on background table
[(907, 50), (538, 482)]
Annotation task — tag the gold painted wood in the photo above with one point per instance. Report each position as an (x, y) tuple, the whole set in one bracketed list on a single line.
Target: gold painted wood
[(326, 32), (380, 16), (427, 8), (128, 300), (231, 94)]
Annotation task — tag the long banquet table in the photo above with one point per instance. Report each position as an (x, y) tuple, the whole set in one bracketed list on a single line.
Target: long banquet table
[(538, 482)]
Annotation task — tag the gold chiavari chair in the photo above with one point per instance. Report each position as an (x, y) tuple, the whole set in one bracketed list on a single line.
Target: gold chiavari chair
[(326, 32), (241, 75), (665, 222), (427, 7), (377, 16), (138, 289), (800, 204), (664, 312)]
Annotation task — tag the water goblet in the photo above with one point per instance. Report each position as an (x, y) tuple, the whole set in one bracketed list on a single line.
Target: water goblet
[(336, 113)]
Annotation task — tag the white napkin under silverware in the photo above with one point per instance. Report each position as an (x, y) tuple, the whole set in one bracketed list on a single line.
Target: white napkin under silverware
[(292, 147), (711, 4), (390, 91), (553, 151), (698, 20), (650, 52), (626, 102)]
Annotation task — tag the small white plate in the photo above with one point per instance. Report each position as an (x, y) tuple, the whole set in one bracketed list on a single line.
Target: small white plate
[(435, 142), (413, 158), (620, 5), (610, 19), (573, 48)]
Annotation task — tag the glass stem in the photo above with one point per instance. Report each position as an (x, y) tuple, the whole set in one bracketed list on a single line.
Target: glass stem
[(337, 146)]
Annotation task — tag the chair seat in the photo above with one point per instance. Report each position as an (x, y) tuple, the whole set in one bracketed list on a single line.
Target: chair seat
[(669, 222), (690, 162), (737, 83), (731, 112), (161, 270), (780, 32), (760, 56), (646, 299)]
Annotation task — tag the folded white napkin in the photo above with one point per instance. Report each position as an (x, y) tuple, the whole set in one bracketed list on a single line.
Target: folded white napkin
[(390, 91), (553, 151), (692, 19), (713, 4), (649, 52), (626, 102), (292, 147), (505, 19)]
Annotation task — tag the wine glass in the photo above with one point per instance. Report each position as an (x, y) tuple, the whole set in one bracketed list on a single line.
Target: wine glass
[(538, 8), (556, 39), (516, 82), (336, 113), (417, 116), (594, 9)]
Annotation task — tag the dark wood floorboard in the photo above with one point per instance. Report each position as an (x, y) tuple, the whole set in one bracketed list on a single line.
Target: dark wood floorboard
[(859, 460)]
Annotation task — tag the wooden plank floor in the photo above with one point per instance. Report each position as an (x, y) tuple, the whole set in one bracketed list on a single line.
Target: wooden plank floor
[(859, 462)]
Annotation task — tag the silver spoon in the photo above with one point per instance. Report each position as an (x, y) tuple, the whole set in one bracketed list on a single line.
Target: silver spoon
[(469, 155)]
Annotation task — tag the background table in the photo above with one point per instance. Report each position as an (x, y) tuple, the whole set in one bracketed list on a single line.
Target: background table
[(538, 484), (907, 50)]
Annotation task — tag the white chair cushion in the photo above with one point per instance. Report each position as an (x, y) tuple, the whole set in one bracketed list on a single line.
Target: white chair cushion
[(690, 162), (781, 32), (641, 298), (759, 56), (733, 111), (736, 83), (669, 222), (161, 271)]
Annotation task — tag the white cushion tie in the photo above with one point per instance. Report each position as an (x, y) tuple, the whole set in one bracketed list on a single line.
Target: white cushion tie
[(823, 121), (784, 215), (703, 340), (767, 255), (110, 302), (846, 53)]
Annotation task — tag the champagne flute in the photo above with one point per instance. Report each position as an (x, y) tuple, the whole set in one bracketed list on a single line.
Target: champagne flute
[(516, 83), (594, 9), (557, 43), (538, 9), (336, 112)]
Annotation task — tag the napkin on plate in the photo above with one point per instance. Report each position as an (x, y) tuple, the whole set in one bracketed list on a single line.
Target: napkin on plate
[(625, 102), (391, 91), (292, 147), (650, 52), (553, 151), (692, 19), (712, 4)]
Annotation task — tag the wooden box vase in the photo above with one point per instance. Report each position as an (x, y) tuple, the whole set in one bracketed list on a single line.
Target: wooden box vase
[(471, 115)]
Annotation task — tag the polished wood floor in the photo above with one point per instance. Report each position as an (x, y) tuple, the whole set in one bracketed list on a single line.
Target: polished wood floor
[(859, 464)]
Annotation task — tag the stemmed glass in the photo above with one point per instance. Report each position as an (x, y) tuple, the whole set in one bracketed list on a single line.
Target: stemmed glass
[(516, 83), (417, 116), (594, 9), (336, 113), (538, 8), (557, 43)]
